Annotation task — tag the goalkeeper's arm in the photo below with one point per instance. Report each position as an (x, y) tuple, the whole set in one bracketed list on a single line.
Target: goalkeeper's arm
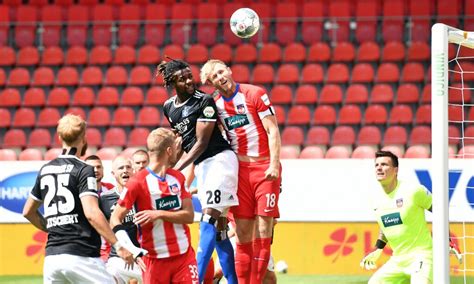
[(369, 261)]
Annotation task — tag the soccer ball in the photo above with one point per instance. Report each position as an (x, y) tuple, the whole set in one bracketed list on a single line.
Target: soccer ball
[(244, 23), (281, 267)]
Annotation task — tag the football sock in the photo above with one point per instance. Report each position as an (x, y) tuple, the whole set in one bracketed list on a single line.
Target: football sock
[(261, 256), (225, 251), (243, 262), (207, 243), (209, 277)]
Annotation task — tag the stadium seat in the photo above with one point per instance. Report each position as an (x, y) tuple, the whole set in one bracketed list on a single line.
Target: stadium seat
[(51, 15), (343, 52), (52, 154), (132, 96), (408, 93), (107, 96), (5, 118), (263, 74), (156, 96), (241, 73), (174, 51), (419, 51), (456, 113), (393, 51), (338, 152), (197, 54), (375, 114), (392, 25), (107, 153), (52, 56), (99, 117), (39, 138), (382, 94), (116, 76), (270, 53), (222, 52), (124, 55), (420, 135), (128, 33), (369, 135), (337, 10), (366, 13), (181, 27), (43, 77), (148, 116), (454, 135), (423, 115), (466, 152), (10, 97), (155, 25), (388, 73), (265, 12), (306, 94), (58, 97), (76, 55), (363, 73), (289, 152), (280, 114), (77, 111), (19, 77), (338, 73), (24, 117), (420, 28), (458, 95), (30, 154), (148, 54), (48, 117), (331, 94), (3, 78), (368, 52), (14, 138), (312, 74), (141, 75), (401, 114), (318, 135), (285, 31), (469, 135), (350, 114), (5, 21), (245, 53), (357, 94), (299, 115), (281, 94), (292, 135), (448, 12), (395, 135), (363, 152), (123, 116), (91, 76), (312, 152), (25, 26), (418, 152), (294, 52), (287, 73), (324, 115), (343, 135), (398, 150), (311, 29), (7, 155), (34, 97), (137, 137), (228, 8), (413, 72), (28, 56), (319, 52), (78, 19), (102, 17), (94, 137), (207, 15), (115, 137), (83, 96)]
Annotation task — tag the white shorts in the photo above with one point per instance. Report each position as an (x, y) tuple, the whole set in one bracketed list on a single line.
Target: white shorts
[(217, 181), (116, 267), (67, 268)]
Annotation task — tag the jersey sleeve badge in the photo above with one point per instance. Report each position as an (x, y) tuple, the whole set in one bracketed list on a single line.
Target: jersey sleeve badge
[(208, 112)]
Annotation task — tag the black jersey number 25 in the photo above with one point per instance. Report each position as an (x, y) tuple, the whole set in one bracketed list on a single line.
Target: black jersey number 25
[(59, 198), (213, 197)]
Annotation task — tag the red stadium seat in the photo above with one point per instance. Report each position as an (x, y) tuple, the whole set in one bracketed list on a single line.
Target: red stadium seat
[(466, 152), (24, 117), (357, 94), (448, 12), (454, 135), (311, 26), (418, 152), (99, 117), (156, 96), (299, 115), (26, 20), (369, 135), (14, 138), (34, 97), (148, 116), (241, 73), (306, 94), (4, 26), (337, 10), (43, 77), (419, 51), (19, 77), (289, 152), (94, 137), (155, 27), (52, 56), (455, 113), (124, 55), (76, 55), (48, 117), (324, 115), (338, 73), (5, 118), (338, 152), (77, 111), (294, 52), (245, 53), (285, 30), (413, 72), (174, 51), (148, 54), (137, 137), (102, 16), (381, 93), (366, 12), (265, 12), (207, 15), (128, 33), (420, 28), (270, 53), (7, 56), (10, 98), (52, 154), (68, 76), (7, 155), (388, 73), (375, 114), (343, 52), (107, 96), (51, 15), (368, 52), (426, 94), (408, 93), (331, 94), (281, 94), (221, 51), (280, 114), (40, 138), (395, 135), (393, 51), (350, 114), (182, 14), (312, 152), (115, 137), (28, 56), (100, 55), (423, 115), (363, 152), (319, 52), (83, 96), (362, 73), (123, 116), (458, 95), (132, 96), (3, 77), (91, 76), (141, 75), (343, 135), (78, 19), (116, 76), (58, 97), (263, 74), (312, 74), (392, 26), (107, 153), (468, 135), (287, 73), (401, 114), (228, 8), (197, 54), (318, 135), (30, 154), (398, 150), (420, 135), (292, 135)]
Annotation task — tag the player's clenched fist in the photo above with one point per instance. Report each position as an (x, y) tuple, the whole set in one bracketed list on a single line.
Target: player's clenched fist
[(368, 262)]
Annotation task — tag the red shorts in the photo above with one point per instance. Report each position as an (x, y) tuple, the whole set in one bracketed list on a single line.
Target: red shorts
[(175, 269), (257, 196)]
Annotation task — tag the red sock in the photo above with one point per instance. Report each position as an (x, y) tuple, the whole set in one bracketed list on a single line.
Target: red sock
[(243, 262), (261, 256), (209, 277)]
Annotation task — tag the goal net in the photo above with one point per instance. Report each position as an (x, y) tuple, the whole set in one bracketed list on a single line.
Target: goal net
[(452, 99)]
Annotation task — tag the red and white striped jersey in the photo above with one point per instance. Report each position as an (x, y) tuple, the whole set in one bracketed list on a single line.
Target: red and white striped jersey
[(241, 116), (148, 191)]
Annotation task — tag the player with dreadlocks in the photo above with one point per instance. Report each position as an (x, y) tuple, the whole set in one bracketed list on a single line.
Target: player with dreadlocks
[(193, 115)]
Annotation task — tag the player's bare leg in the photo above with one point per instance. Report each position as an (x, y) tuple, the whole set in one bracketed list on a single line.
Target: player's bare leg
[(270, 277)]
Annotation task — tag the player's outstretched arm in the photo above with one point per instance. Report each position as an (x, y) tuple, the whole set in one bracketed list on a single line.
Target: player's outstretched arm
[(30, 212), (274, 142), (183, 216)]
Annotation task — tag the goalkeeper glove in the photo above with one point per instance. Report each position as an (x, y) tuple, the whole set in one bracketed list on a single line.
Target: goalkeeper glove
[(368, 262), (453, 248)]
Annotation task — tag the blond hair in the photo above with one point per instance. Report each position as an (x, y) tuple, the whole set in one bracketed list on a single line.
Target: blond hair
[(207, 68), (71, 128), (159, 140)]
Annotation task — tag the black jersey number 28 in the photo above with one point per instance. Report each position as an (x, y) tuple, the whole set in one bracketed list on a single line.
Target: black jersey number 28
[(58, 198), (213, 196)]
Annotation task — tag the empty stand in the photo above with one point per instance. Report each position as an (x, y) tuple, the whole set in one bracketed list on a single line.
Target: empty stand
[(289, 152), (312, 152), (30, 154), (338, 152), (363, 152), (137, 137), (369, 135), (34, 97), (292, 135)]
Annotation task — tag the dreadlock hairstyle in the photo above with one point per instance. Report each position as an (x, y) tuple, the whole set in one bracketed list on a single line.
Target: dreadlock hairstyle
[(167, 69)]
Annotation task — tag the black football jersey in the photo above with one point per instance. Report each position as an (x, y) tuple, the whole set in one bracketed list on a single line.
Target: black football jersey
[(107, 201), (60, 185), (183, 118)]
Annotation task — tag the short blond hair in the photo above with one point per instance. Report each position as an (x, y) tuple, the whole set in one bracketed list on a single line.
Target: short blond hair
[(207, 68), (159, 140), (71, 128)]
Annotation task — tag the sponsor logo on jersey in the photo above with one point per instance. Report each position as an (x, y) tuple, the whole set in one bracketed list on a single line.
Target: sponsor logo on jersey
[(174, 188), (15, 189), (399, 202), (168, 203), (240, 109), (185, 111), (208, 112), (236, 121), (392, 219), (182, 126)]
